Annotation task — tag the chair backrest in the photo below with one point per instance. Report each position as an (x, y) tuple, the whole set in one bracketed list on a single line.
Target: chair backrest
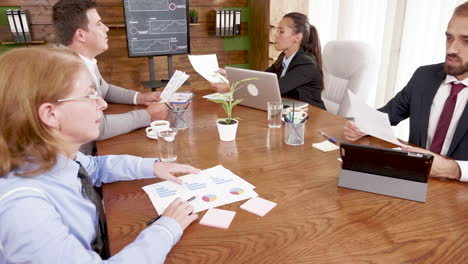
[(347, 65)]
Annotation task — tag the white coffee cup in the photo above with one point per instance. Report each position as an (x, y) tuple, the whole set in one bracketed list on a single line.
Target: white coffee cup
[(155, 126), (298, 114)]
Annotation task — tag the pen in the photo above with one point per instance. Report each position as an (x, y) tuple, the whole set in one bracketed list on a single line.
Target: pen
[(294, 110), (187, 105), (152, 220), (169, 107), (286, 119), (304, 119), (334, 141)]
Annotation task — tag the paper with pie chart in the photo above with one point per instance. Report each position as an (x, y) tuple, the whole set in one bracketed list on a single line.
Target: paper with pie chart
[(212, 187)]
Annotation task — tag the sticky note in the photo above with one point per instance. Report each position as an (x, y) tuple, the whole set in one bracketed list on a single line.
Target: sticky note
[(325, 146), (218, 218), (258, 206)]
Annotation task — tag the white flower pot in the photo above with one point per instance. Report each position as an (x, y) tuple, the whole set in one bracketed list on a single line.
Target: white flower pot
[(227, 132)]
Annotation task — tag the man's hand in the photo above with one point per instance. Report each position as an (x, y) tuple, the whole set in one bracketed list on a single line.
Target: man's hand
[(166, 170), (148, 98), (352, 132), (157, 111), (181, 212), (442, 167)]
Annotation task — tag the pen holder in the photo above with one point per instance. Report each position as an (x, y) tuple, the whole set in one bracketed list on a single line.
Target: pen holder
[(294, 133), (179, 118)]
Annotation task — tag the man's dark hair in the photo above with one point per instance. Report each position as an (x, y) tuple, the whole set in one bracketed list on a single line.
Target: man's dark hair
[(68, 16), (461, 10)]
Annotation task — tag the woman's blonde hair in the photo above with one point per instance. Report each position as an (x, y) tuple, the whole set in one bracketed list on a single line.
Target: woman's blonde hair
[(30, 77)]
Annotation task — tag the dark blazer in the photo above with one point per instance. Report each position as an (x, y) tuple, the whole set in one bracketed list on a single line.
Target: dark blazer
[(302, 79), (415, 101)]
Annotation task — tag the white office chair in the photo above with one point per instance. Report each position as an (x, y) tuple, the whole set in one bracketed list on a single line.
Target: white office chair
[(347, 65)]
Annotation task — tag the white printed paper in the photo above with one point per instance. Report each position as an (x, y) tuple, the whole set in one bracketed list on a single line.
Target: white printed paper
[(207, 67), (372, 121), (173, 85), (218, 96), (212, 187)]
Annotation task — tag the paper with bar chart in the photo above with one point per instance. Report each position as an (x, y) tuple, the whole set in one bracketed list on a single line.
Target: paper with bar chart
[(212, 187)]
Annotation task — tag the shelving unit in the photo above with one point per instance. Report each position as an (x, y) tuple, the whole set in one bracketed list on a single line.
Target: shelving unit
[(29, 43)]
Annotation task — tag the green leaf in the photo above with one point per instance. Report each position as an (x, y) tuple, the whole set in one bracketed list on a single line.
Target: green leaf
[(236, 102), (229, 105), (226, 107), (219, 101), (244, 80)]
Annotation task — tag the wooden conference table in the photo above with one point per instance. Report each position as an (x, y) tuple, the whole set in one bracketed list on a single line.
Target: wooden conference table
[(314, 222)]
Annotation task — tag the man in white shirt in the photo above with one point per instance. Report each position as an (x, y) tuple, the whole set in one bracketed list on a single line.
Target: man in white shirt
[(79, 27), (435, 100)]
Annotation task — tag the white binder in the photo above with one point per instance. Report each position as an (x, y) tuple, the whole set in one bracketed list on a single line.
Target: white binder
[(19, 28), (218, 22), (24, 23), (11, 21), (237, 24)]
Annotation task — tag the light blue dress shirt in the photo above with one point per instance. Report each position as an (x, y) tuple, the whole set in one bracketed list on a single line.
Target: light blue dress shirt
[(286, 62), (45, 218)]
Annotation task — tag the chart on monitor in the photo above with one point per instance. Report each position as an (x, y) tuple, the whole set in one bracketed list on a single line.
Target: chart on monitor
[(156, 27)]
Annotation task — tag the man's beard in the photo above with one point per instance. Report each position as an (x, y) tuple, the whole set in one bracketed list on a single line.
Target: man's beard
[(456, 71)]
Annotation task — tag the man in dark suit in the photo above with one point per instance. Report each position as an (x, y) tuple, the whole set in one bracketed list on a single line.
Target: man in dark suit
[(435, 100)]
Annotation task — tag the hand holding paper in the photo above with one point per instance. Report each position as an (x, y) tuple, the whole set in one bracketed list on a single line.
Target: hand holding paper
[(207, 66), (372, 121), (174, 83)]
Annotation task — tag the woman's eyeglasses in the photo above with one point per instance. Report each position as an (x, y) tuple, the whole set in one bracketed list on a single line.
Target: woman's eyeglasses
[(93, 96)]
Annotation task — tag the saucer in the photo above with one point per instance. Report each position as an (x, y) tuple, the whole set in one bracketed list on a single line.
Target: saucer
[(151, 136)]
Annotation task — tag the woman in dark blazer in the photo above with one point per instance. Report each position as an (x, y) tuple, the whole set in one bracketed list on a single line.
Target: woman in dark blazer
[(299, 66)]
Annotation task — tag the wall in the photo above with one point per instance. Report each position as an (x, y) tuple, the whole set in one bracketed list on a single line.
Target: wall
[(120, 70)]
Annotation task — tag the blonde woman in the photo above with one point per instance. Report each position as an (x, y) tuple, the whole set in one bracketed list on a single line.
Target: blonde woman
[(49, 107)]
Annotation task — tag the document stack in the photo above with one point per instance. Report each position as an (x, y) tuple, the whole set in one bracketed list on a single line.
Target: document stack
[(228, 22), (19, 25)]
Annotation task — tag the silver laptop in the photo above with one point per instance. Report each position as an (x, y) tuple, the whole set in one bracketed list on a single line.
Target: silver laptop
[(257, 93)]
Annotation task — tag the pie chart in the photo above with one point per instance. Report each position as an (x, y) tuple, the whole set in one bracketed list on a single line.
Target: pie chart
[(209, 198), (236, 191)]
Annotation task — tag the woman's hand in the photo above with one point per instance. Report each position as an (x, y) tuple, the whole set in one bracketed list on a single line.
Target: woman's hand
[(181, 212), (221, 87), (166, 170)]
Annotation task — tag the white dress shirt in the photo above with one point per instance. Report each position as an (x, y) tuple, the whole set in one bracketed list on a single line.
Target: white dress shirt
[(92, 67), (286, 62), (436, 109)]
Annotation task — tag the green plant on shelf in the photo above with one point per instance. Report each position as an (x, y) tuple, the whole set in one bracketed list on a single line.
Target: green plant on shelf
[(193, 12)]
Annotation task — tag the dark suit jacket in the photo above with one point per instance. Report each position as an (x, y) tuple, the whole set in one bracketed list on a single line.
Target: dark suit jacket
[(415, 101), (302, 79)]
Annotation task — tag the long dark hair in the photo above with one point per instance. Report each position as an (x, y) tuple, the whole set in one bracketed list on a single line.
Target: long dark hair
[(310, 40)]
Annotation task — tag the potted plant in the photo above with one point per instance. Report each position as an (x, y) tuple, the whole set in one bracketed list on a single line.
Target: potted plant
[(227, 127), (193, 13)]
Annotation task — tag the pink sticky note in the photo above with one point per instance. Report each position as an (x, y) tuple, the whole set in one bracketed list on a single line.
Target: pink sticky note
[(218, 218), (258, 206)]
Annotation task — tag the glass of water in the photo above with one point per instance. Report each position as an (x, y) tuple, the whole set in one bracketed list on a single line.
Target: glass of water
[(166, 144), (275, 111)]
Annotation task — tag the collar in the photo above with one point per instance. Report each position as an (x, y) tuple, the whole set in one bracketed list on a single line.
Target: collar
[(88, 61), (288, 60), (65, 169), (451, 79)]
